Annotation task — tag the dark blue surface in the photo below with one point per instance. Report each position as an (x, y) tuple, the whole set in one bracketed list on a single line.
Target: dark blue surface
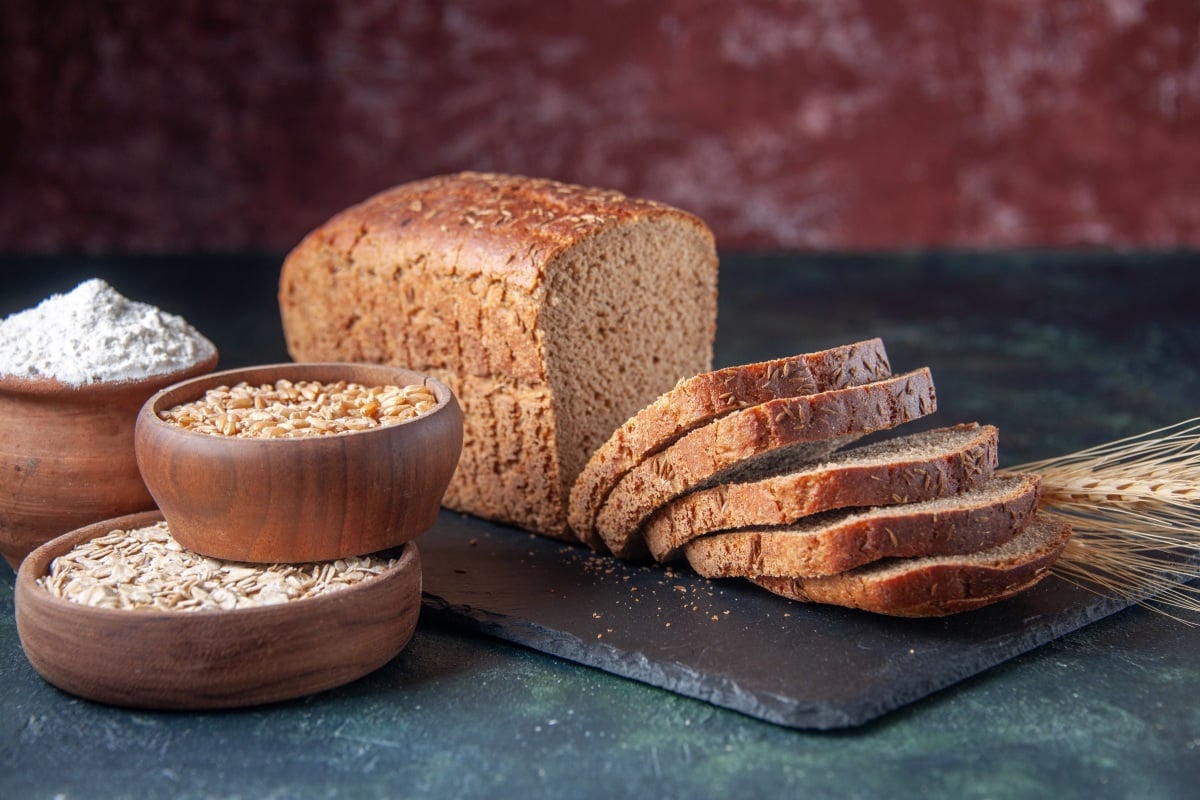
[(1060, 351)]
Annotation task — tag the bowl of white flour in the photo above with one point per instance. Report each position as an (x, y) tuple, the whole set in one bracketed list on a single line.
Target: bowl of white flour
[(74, 372)]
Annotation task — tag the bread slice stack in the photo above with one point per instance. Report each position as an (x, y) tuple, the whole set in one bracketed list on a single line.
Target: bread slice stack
[(763, 482)]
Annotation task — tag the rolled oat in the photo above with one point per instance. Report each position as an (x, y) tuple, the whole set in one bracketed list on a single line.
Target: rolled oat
[(145, 568)]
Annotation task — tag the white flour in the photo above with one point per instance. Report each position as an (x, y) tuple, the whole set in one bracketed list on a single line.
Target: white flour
[(94, 334)]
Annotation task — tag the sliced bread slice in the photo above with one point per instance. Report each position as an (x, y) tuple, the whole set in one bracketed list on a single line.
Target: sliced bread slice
[(786, 432), (904, 469), (698, 400), (837, 541), (936, 586)]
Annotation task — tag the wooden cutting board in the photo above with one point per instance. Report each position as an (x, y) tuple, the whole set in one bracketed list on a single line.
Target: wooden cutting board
[(725, 642)]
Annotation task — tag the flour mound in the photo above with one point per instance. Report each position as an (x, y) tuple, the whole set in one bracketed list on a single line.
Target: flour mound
[(94, 334)]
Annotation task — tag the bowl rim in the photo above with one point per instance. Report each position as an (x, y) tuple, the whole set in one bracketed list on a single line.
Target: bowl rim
[(405, 555), (149, 410), (46, 386)]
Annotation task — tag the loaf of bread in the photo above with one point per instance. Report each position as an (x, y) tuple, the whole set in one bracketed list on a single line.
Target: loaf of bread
[(780, 433), (576, 328), (554, 312), (902, 469), (837, 541), (934, 586), (699, 400)]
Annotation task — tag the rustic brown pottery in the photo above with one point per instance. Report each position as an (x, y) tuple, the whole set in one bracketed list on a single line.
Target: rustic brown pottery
[(212, 659), (67, 455), (310, 499)]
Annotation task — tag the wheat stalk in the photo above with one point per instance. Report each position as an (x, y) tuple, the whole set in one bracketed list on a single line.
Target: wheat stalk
[(1134, 507)]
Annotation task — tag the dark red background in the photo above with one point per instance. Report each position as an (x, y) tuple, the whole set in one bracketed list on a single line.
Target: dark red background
[(832, 124)]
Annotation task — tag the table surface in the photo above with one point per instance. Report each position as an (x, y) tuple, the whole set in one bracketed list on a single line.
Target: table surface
[(1061, 351)]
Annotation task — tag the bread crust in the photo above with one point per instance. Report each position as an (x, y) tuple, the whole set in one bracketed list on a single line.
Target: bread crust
[(939, 585), (834, 542), (453, 276), (936, 463), (811, 426), (506, 227), (699, 400)]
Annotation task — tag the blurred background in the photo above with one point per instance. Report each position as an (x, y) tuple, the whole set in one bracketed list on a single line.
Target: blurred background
[(139, 126)]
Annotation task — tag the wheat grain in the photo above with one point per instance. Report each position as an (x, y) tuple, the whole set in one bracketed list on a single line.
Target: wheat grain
[(1134, 507), (1127, 563), (302, 409)]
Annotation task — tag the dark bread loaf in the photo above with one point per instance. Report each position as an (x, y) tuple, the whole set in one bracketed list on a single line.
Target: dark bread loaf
[(784, 432), (701, 399), (935, 586), (903, 469), (554, 312), (836, 541)]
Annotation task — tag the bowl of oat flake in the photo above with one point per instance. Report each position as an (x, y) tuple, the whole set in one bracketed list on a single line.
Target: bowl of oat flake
[(299, 462), (120, 613)]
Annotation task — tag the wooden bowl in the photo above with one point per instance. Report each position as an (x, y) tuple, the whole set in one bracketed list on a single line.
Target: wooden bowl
[(212, 659), (67, 455), (294, 500)]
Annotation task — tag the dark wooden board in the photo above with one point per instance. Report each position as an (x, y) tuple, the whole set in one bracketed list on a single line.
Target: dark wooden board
[(725, 642)]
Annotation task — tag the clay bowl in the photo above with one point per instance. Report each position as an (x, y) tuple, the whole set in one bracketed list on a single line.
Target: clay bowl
[(212, 659), (294, 500), (67, 455)]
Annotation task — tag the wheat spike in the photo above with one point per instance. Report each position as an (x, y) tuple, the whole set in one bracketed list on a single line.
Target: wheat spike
[(1134, 506)]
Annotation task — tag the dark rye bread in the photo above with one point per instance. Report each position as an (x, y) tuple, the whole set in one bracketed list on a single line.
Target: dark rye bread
[(935, 586), (787, 431), (700, 399), (553, 312), (836, 541), (903, 469)]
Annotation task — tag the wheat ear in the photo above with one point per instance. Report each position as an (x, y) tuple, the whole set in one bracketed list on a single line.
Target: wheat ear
[(1134, 507)]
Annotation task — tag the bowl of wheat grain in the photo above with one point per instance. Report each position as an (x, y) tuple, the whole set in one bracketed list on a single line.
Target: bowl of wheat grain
[(119, 612), (299, 462)]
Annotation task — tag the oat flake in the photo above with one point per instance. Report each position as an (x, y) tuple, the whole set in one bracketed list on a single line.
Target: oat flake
[(94, 334)]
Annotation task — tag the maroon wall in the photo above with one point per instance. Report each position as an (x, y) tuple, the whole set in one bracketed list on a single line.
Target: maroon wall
[(831, 124)]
